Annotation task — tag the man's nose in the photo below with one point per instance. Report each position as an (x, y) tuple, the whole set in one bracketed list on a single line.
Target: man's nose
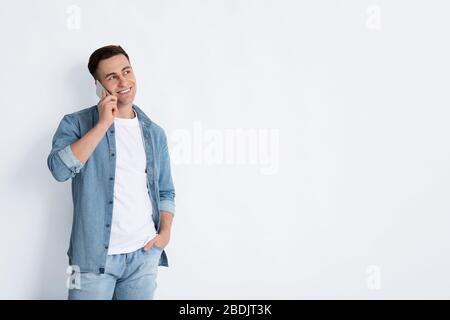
[(122, 81)]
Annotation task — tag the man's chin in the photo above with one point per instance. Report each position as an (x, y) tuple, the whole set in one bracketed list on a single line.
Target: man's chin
[(123, 103)]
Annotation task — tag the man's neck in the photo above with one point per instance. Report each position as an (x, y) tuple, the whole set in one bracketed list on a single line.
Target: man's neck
[(125, 111)]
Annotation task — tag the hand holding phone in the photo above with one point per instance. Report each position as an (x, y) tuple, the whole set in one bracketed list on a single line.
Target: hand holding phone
[(107, 106)]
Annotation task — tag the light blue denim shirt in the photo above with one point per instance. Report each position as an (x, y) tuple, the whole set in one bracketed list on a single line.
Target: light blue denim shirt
[(93, 183)]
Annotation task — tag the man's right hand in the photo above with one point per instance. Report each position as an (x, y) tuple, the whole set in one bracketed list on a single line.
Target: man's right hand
[(107, 108)]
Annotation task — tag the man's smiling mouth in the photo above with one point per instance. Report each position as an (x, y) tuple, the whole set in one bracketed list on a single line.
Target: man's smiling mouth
[(125, 91)]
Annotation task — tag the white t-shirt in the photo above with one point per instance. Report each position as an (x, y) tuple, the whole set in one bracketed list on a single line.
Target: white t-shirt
[(132, 224)]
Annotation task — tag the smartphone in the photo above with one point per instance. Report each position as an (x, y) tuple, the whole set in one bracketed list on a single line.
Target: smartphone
[(100, 88)]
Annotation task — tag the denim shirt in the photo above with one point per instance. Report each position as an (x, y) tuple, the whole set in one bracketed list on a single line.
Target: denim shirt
[(93, 183)]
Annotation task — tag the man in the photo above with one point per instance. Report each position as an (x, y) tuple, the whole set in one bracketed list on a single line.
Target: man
[(122, 189)]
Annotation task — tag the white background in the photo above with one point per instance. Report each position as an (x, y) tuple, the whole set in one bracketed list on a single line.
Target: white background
[(358, 92)]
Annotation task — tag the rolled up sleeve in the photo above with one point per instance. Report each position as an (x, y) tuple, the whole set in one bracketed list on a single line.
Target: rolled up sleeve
[(61, 161), (70, 160), (166, 187)]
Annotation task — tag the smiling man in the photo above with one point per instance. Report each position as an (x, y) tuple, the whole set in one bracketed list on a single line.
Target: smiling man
[(122, 188)]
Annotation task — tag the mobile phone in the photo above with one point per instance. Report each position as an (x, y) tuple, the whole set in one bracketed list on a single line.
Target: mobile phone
[(100, 88)]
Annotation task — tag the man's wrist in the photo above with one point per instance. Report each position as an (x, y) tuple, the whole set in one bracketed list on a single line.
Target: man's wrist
[(103, 125), (165, 233)]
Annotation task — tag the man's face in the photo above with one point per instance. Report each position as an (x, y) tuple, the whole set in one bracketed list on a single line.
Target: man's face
[(117, 76)]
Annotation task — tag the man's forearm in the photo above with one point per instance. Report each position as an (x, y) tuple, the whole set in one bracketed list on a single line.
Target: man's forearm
[(166, 222), (83, 148)]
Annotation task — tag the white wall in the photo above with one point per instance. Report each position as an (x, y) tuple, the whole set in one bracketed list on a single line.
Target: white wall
[(343, 192)]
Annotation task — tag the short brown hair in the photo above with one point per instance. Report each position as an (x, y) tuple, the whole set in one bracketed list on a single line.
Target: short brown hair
[(102, 54)]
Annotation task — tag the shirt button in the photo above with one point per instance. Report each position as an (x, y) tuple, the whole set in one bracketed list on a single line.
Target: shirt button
[(110, 202), (112, 131), (107, 225), (111, 178), (112, 154), (106, 247)]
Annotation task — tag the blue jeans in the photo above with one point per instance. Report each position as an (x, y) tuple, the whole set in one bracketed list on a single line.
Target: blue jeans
[(128, 276)]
